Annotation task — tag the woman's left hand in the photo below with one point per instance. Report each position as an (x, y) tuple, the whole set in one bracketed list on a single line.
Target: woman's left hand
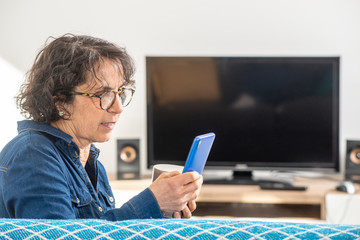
[(187, 211)]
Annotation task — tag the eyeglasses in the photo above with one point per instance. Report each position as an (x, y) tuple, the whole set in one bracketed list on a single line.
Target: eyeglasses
[(107, 99)]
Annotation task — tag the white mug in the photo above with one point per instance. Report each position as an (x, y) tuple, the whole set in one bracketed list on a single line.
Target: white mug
[(161, 168)]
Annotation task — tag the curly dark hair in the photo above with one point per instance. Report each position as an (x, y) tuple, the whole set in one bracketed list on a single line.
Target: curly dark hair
[(61, 66)]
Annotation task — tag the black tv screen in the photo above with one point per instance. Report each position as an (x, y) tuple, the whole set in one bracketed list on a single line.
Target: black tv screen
[(279, 113)]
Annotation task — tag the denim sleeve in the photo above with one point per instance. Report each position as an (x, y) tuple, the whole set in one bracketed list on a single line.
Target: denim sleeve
[(34, 185), (143, 205)]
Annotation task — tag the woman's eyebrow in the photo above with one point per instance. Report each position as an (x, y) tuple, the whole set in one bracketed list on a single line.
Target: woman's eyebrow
[(101, 89), (106, 88)]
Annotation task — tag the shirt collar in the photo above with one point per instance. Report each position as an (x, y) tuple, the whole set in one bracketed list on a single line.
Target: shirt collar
[(26, 125)]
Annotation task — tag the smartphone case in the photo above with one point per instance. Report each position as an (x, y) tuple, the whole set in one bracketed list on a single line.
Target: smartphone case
[(199, 153)]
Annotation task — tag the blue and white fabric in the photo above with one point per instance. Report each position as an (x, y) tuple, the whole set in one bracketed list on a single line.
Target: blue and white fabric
[(171, 229)]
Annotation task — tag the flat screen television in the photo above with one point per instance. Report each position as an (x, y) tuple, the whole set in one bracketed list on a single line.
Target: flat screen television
[(268, 113)]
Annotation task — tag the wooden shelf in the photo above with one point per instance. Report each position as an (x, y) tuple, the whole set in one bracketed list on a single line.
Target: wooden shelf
[(317, 188)]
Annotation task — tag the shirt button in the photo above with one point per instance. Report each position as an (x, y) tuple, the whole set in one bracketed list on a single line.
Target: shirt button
[(111, 198), (100, 209)]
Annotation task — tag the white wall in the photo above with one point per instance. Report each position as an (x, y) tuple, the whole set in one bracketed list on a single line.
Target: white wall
[(191, 27), (11, 79)]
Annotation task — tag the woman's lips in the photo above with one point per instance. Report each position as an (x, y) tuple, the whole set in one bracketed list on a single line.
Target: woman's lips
[(109, 125)]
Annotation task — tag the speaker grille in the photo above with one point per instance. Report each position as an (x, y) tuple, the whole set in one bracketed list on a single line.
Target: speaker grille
[(352, 161), (128, 159)]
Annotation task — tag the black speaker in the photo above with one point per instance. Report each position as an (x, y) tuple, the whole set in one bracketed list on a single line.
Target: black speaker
[(352, 161), (128, 159)]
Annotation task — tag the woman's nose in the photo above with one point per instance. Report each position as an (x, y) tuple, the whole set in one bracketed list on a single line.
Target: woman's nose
[(117, 107)]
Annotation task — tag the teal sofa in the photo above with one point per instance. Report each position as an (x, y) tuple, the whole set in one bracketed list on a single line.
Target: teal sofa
[(172, 229)]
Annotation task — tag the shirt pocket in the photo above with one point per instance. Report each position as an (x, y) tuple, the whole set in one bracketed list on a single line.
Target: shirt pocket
[(108, 198), (84, 205)]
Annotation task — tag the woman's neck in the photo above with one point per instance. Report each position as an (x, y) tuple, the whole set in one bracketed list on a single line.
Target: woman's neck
[(84, 147), (84, 155)]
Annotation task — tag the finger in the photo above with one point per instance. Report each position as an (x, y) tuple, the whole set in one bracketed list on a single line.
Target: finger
[(176, 215), (186, 213), (194, 186), (199, 183), (188, 177), (173, 173), (169, 174), (191, 205)]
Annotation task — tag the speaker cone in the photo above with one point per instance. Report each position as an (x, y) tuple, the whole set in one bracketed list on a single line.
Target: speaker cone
[(128, 154), (355, 155)]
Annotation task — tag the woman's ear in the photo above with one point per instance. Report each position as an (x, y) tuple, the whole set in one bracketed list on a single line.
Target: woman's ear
[(60, 106)]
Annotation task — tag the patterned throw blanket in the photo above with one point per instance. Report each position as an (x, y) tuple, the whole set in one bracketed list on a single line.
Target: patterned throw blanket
[(172, 229)]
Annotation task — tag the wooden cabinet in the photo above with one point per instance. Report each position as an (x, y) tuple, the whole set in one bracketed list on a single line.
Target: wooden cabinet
[(225, 200)]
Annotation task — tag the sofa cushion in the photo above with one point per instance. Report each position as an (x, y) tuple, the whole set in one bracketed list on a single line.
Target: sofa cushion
[(172, 229)]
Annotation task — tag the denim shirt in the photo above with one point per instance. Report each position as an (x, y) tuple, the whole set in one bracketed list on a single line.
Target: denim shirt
[(41, 176)]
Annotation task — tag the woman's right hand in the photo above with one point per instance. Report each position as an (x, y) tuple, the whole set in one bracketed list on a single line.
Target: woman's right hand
[(173, 191)]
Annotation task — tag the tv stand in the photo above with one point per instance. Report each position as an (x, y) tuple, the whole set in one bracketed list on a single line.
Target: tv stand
[(280, 186), (265, 181), (238, 178), (250, 200)]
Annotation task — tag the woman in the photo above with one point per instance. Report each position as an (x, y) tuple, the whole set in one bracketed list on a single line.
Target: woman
[(74, 95)]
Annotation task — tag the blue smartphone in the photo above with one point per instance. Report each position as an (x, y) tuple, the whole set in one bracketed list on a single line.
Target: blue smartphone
[(199, 153)]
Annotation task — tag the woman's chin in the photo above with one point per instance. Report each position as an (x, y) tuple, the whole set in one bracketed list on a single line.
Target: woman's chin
[(105, 138)]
